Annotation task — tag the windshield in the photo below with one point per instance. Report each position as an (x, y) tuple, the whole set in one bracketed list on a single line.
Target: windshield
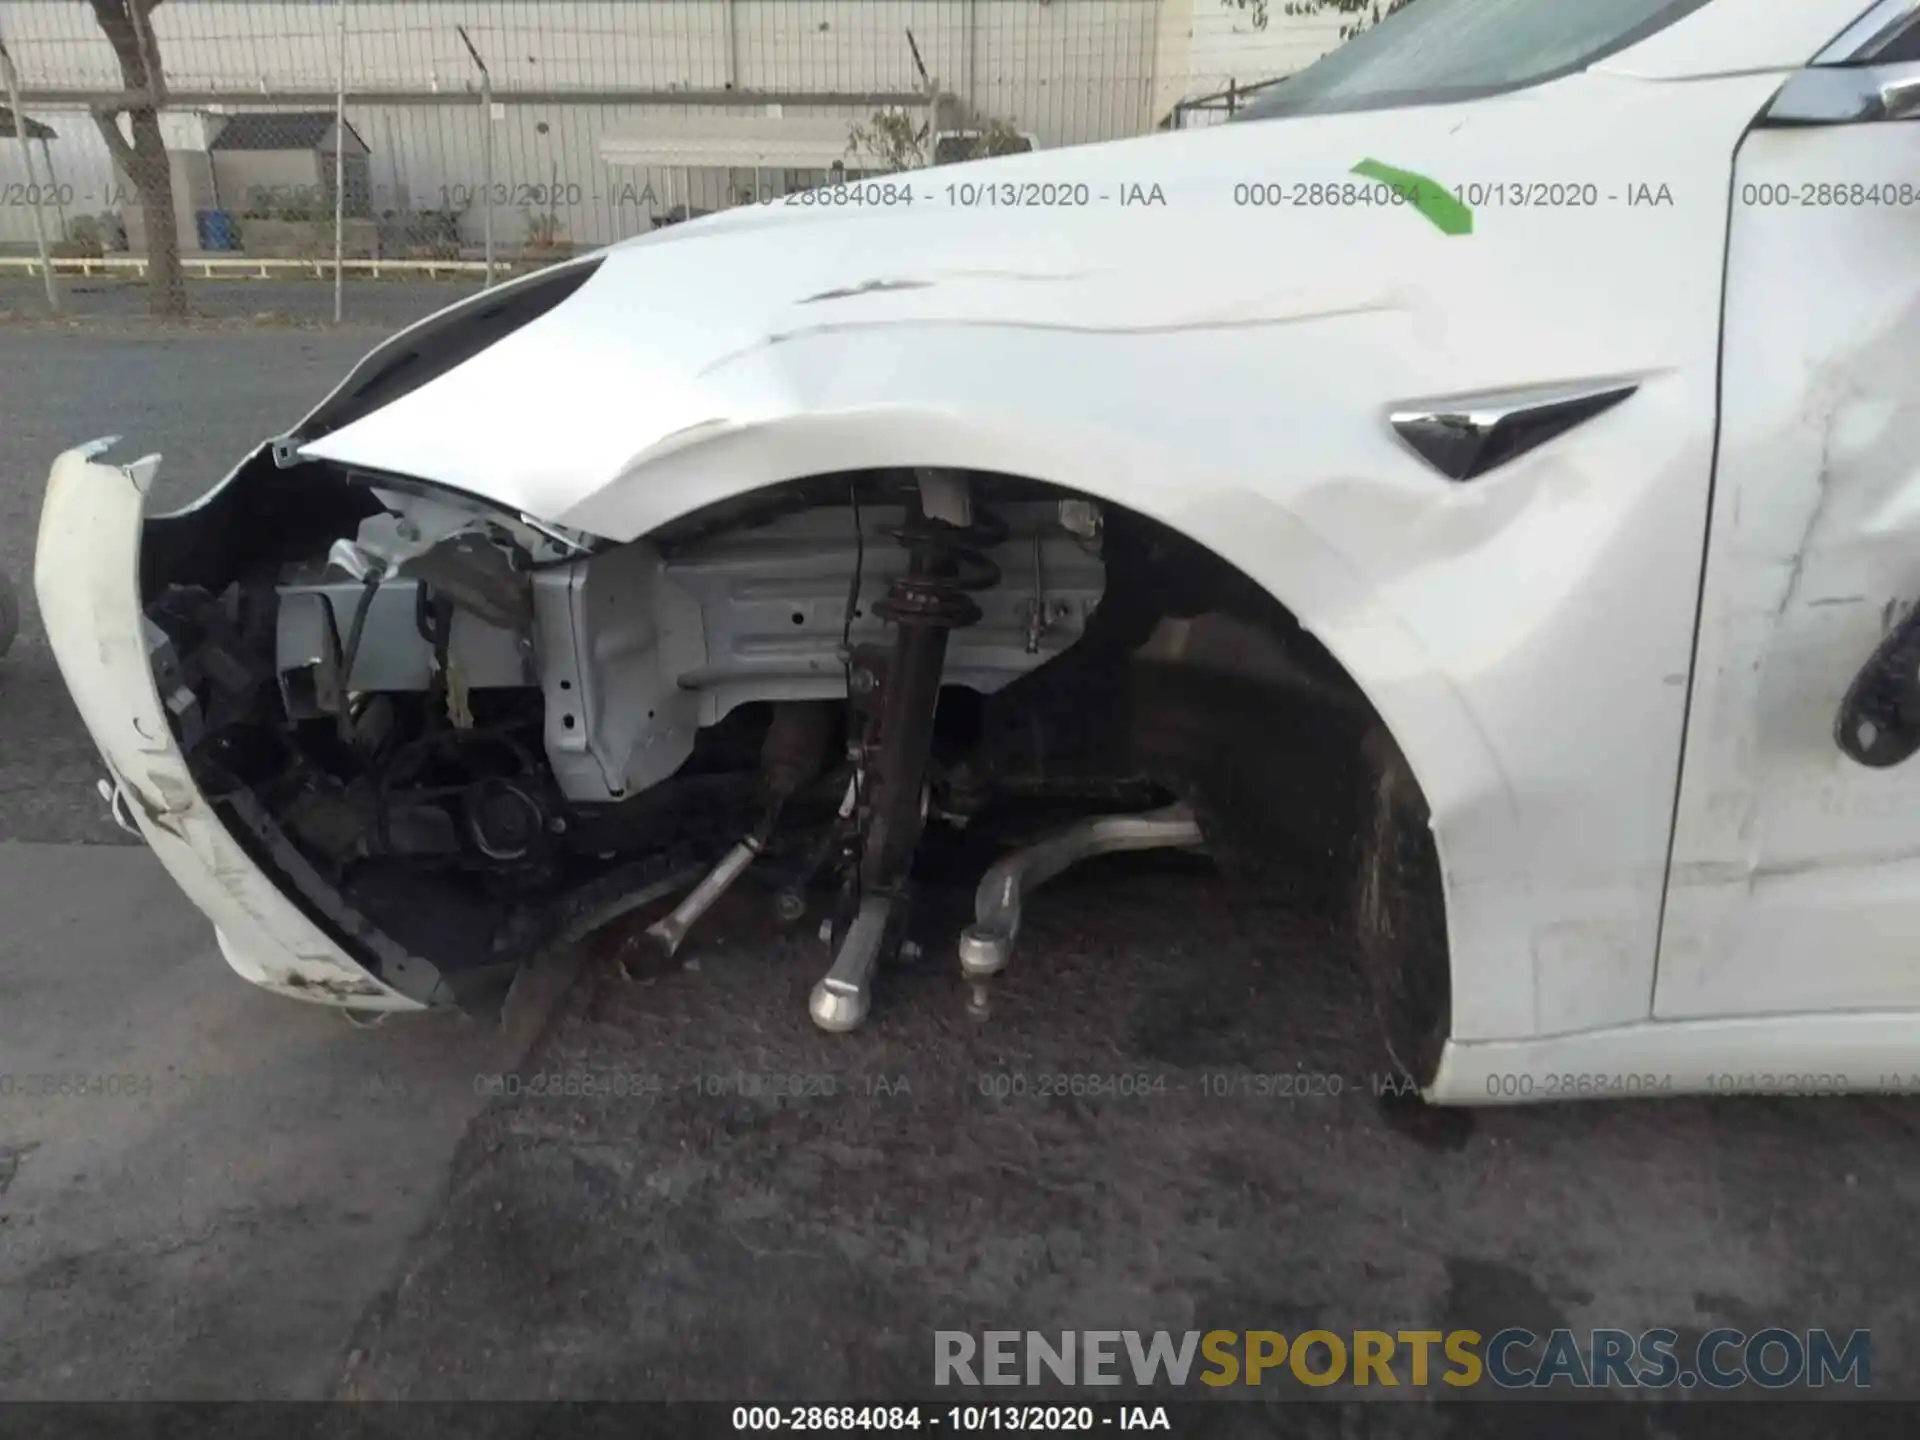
[(1434, 51)]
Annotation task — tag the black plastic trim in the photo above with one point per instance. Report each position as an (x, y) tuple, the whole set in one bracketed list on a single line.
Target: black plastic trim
[(1463, 447)]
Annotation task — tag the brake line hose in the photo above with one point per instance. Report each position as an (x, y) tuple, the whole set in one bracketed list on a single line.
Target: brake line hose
[(343, 709)]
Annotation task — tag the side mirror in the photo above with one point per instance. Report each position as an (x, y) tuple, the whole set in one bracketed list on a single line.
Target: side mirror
[(1847, 95)]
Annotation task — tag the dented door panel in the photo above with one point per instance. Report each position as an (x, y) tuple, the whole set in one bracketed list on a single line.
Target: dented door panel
[(1796, 871)]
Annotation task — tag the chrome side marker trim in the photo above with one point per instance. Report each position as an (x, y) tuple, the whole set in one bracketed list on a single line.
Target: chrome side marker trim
[(1466, 438)]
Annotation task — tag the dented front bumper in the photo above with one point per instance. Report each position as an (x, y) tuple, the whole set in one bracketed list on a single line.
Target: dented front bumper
[(86, 577)]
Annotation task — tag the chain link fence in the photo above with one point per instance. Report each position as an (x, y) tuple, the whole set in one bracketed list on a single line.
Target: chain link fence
[(1203, 110), (353, 140)]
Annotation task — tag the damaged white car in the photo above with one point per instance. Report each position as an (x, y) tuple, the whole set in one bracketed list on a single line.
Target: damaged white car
[(1479, 486)]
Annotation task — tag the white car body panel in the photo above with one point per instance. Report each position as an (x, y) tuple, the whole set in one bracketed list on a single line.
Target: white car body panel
[(1528, 637), (87, 579), (1830, 1053), (1499, 627), (1796, 872)]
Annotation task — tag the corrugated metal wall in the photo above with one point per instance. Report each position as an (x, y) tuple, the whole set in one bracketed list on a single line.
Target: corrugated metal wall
[(563, 73)]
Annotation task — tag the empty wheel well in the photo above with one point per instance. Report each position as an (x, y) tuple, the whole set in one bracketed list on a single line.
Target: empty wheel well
[(1304, 791), (1399, 911), (1192, 675), (1114, 665)]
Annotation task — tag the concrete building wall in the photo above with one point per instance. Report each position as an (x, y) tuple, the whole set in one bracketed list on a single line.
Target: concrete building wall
[(1082, 61), (248, 179), (1069, 71), (76, 177), (192, 192), (1225, 45)]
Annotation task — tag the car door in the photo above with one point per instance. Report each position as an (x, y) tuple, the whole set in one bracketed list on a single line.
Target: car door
[(1795, 875)]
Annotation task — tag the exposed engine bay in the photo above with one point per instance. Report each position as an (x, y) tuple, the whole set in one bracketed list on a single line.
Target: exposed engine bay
[(458, 734)]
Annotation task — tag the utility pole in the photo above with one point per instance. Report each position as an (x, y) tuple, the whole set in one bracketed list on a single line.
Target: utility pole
[(486, 148), (33, 184), (340, 171)]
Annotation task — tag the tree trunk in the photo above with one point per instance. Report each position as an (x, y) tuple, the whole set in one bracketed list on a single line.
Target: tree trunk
[(128, 26), (153, 174)]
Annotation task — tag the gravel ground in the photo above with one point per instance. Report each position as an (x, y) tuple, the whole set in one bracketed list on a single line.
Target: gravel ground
[(383, 304), (702, 1242), (201, 397), (698, 1241), (216, 1183)]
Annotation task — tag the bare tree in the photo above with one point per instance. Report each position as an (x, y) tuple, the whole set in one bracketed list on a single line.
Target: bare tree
[(891, 142), (128, 26)]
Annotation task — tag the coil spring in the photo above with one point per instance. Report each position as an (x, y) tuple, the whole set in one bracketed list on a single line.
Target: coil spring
[(948, 561)]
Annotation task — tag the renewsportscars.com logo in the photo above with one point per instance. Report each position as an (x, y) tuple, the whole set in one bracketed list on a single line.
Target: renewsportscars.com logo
[(1510, 1359)]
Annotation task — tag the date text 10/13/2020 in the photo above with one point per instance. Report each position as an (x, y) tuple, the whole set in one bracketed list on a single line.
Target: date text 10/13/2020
[(960, 1419)]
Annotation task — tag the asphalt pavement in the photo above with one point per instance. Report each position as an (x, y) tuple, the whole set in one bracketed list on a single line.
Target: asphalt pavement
[(201, 1188), (259, 1200), (383, 304)]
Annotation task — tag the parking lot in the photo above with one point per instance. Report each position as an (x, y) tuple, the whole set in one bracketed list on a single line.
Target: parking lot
[(272, 1203)]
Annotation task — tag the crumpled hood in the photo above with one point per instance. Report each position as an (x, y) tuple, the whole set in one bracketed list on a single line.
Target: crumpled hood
[(685, 332), (1125, 237)]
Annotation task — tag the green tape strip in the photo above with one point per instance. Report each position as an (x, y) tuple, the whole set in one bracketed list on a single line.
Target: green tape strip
[(1427, 195)]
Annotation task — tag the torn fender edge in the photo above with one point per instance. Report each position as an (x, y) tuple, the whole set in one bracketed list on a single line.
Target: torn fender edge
[(86, 579)]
